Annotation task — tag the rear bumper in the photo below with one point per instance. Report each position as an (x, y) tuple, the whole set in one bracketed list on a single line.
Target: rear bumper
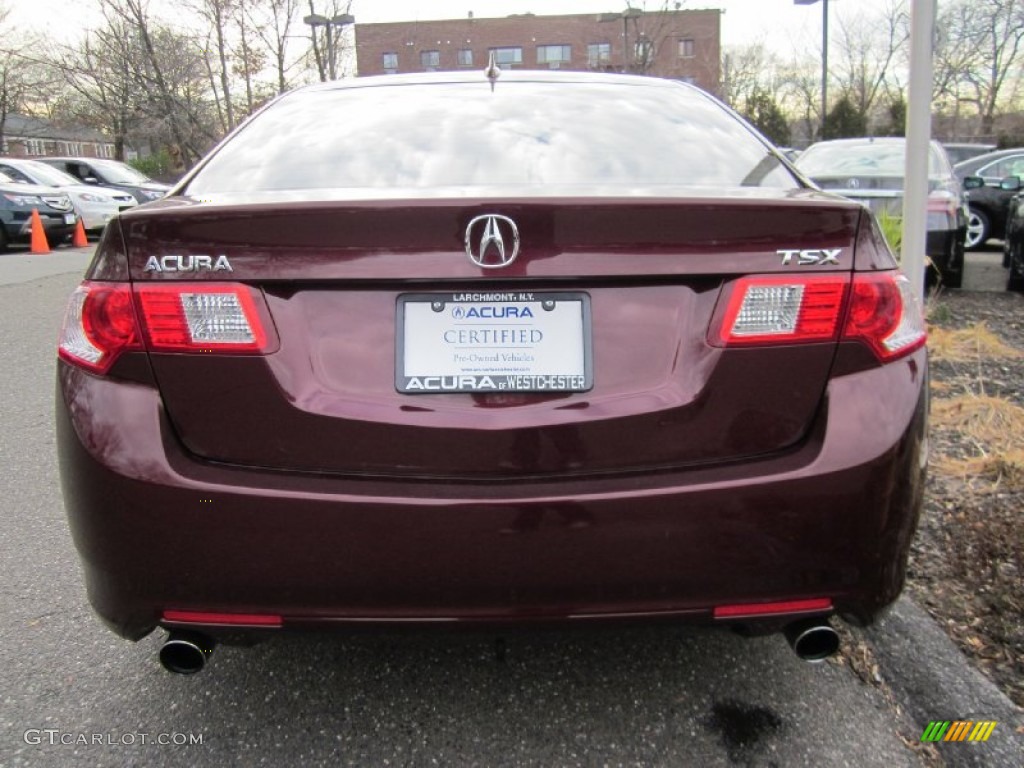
[(158, 530)]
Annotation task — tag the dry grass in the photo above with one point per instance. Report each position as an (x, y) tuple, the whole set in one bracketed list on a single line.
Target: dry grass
[(992, 428), (968, 344)]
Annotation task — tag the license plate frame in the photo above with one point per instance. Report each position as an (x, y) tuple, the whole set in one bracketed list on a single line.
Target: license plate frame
[(512, 358)]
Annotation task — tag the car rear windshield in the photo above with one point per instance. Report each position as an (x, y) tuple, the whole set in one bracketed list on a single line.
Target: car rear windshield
[(868, 159), (521, 135)]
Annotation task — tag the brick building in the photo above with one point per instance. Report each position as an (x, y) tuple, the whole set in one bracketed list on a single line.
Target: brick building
[(35, 137), (682, 44)]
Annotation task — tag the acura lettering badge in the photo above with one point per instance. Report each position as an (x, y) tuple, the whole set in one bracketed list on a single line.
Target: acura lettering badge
[(492, 241)]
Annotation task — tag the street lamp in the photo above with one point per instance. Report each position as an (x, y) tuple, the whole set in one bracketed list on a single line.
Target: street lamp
[(341, 20), (824, 57), (626, 15)]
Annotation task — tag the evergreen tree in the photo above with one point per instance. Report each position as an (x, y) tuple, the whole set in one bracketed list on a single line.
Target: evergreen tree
[(764, 113), (844, 121)]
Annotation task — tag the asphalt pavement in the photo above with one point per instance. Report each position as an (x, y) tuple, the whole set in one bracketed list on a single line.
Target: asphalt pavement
[(74, 694)]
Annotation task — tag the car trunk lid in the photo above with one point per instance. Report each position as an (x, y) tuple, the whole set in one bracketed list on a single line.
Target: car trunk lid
[(649, 274)]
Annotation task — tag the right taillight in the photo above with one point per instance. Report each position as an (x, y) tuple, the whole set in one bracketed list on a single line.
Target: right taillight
[(885, 315), (877, 309)]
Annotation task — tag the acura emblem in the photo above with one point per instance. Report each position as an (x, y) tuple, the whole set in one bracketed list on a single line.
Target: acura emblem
[(853, 183), (492, 241)]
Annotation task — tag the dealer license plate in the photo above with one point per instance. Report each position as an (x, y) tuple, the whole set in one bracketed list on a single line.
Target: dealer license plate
[(493, 342)]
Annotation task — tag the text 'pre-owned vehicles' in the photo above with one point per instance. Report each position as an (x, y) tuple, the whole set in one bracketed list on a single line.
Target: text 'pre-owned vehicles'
[(18, 200), (94, 205), (495, 353), (110, 173), (871, 171)]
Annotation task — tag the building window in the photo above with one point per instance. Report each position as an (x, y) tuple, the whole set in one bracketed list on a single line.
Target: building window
[(35, 147), (430, 60), (686, 50), (599, 54), (554, 55), (390, 62), (507, 57), (465, 57)]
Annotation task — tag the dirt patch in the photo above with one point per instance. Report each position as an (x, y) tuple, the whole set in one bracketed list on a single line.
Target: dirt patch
[(967, 562)]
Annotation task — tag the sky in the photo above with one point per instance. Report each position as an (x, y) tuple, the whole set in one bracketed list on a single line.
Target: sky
[(780, 24)]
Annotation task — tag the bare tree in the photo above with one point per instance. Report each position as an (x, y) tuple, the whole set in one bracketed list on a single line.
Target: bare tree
[(866, 49), (746, 69), (218, 14), (101, 73), (981, 46), (21, 74), (273, 21)]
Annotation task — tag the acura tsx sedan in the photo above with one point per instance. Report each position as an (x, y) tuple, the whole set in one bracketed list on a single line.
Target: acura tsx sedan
[(490, 349)]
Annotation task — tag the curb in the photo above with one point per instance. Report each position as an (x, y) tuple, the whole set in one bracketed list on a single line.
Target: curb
[(933, 680)]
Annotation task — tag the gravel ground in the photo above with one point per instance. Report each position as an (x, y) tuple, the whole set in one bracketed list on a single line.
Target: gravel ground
[(967, 563)]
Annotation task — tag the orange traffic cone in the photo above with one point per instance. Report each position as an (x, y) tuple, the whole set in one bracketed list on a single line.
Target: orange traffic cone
[(39, 243), (79, 240)]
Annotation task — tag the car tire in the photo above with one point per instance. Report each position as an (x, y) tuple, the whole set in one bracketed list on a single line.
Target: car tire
[(978, 229), (1016, 279), (951, 274), (4, 240)]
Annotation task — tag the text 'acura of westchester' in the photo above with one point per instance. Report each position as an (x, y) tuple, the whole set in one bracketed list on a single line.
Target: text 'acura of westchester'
[(461, 348)]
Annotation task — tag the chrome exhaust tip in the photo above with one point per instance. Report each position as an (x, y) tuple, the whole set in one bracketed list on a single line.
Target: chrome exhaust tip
[(186, 653), (813, 640)]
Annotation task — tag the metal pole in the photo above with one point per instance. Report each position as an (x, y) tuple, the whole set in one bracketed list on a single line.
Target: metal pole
[(919, 98), (824, 65)]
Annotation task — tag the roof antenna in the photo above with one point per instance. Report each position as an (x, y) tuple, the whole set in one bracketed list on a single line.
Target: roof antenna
[(493, 71)]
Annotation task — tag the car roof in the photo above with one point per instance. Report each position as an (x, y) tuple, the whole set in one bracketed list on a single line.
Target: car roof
[(980, 160), (505, 76)]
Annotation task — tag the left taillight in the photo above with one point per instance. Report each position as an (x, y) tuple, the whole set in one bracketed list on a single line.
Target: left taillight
[(99, 325), (104, 320)]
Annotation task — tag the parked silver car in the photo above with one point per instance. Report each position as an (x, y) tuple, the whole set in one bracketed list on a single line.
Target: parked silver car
[(870, 170)]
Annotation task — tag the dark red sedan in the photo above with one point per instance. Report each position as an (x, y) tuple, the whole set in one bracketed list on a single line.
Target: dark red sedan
[(545, 347)]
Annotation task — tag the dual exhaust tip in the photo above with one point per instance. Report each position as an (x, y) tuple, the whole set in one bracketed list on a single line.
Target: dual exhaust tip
[(186, 653)]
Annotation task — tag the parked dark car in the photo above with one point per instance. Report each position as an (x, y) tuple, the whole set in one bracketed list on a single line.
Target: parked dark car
[(110, 173), (493, 354), (18, 200), (1013, 243), (871, 171), (959, 152), (987, 215)]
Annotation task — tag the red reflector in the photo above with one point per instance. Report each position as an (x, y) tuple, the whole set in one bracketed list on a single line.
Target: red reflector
[(783, 309), (201, 617), (762, 609)]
